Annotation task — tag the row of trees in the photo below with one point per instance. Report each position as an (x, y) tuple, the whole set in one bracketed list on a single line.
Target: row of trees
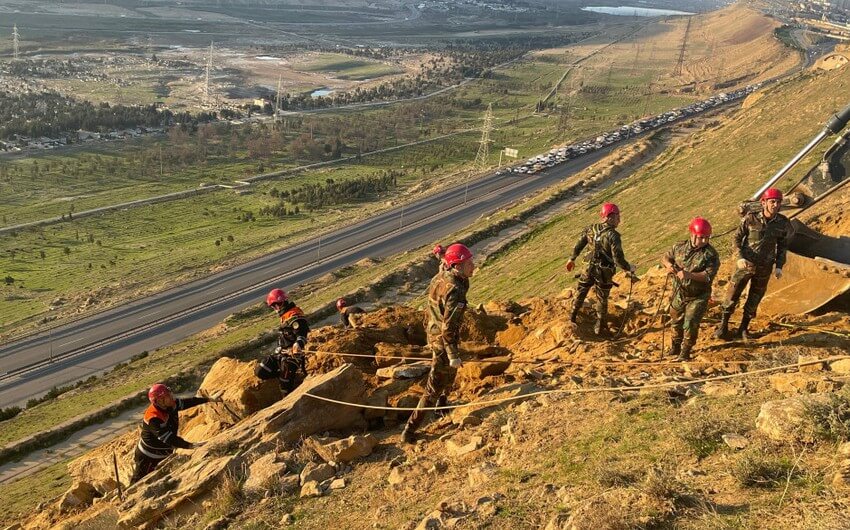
[(51, 114), (330, 193)]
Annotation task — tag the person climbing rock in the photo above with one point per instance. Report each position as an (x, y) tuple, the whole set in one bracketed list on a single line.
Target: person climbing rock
[(762, 242), (345, 312), (288, 358), (693, 263), (446, 306), (160, 426), (606, 254)]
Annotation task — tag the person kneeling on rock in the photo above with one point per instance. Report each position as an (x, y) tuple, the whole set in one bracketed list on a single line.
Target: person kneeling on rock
[(446, 306), (345, 312), (159, 429), (288, 357)]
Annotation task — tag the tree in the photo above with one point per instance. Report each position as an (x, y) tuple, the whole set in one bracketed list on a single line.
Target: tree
[(9, 280)]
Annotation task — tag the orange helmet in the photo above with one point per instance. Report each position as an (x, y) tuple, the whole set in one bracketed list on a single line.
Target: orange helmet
[(608, 209), (340, 303), (457, 253), (438, 250), (700, 227), (276, 296)]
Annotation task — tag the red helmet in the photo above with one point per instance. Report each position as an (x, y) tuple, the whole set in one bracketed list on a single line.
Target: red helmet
[(276, 296), (609, 208), (700, 227), (456, 253), (340, 303), (438, 250), (771, 193), (158, 391)]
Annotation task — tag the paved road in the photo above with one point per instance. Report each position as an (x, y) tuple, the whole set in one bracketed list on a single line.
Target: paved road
[(94, 344)]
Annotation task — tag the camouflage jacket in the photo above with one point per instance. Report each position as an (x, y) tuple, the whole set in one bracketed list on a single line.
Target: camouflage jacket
[(606, 248), (691, 259), (764, 241), (446, 305)]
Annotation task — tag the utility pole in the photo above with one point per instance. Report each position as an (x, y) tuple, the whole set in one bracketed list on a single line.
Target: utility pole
[(277, 100), (207, 80), (16, 40)]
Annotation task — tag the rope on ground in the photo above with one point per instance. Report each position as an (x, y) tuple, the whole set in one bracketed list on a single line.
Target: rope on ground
[(537, 362), (593, 390), (813, 328)]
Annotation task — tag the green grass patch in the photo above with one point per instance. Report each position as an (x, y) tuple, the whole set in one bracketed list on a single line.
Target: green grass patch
[(22, 495), (346, 67)]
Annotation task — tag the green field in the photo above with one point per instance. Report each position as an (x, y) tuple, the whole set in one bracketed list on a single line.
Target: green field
[(346, 67)]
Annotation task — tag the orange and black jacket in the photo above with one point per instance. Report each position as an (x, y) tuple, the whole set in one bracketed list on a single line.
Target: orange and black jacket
[(160, 426), (293, 327)]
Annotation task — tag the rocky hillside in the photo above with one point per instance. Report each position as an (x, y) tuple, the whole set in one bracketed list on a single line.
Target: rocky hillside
[(556, 429)]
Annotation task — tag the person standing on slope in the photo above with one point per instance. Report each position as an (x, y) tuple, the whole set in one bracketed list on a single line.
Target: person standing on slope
[(345, 312), (693, 264), (606, 254), (762, 242), (288, 357), (446, 306), (160, 426)]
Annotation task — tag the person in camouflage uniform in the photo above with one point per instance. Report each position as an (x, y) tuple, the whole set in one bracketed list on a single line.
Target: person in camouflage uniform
[(693, 264), (605, 256), (762, 242), (446, 306)]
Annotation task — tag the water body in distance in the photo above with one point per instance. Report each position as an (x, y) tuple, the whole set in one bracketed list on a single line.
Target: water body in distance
[(630, 11)]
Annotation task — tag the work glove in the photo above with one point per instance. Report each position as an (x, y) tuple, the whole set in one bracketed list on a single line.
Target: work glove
[(296, 348), (778, 273), (278, 350), (744, 264), (455, 362), (571, 265)]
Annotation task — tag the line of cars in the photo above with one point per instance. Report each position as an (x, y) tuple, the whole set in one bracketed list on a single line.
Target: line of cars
[(559, 155)]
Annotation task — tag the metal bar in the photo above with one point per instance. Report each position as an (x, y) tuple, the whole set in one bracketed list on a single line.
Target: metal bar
[(791, 163)]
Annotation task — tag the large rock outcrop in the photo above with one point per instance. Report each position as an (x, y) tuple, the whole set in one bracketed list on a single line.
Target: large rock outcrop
[(185, 478)]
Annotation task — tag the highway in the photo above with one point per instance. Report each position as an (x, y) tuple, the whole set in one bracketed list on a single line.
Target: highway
[(94, 344)]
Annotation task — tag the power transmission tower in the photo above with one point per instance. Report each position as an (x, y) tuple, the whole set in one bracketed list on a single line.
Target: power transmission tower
[(16, 37), (484, 143), (207, 80), (680, 63)]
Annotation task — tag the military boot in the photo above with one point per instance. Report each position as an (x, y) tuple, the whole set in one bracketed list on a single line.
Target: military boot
[(599, 328), (676, 348), (743, 330), (722, 332), (408, 436), (685, 354), (442, 401), (577, 303)]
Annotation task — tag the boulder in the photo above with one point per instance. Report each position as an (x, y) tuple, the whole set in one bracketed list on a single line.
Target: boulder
[(316, 472), (345, 450), (310, 489), (263, 473), (404, 371), (841, 366), (735, 441), (809, 363), (96, 466), (457, 449), (181, 480), (802, 383), (337, 484), (476, 370), (242, 394), (79, 495), (789, 420), (387, 354), (492, 401)]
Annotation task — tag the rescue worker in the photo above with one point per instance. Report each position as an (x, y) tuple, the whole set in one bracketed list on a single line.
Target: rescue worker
[(159, 429), (345, 312), (446, 306), (762, 241), (438, 252), (606, 255), (693, 264), (288, 357)]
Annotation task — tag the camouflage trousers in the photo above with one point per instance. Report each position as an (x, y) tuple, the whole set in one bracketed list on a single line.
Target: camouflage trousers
[(439, 383), (685, 317), (602, 280), (757, 280)]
